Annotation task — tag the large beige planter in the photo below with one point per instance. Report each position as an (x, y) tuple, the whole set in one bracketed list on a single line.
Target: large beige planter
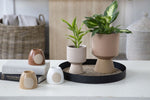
[(105, 47), (76, 56)]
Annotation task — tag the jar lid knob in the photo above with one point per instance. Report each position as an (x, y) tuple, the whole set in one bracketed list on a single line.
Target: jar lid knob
[(146, 14)]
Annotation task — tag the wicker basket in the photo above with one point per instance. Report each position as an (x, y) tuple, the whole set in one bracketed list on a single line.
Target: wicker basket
[(16, 42)]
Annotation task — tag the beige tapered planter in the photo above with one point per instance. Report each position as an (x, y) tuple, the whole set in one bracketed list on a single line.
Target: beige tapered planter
[(105, 47), (76, 56)]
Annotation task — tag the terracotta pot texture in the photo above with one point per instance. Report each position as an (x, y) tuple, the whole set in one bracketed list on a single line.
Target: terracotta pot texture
[(28, 80), (36, 57), (76, 56), (105, 46)]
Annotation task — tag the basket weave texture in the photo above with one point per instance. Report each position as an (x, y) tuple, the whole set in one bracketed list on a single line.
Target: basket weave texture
[(16, 42)]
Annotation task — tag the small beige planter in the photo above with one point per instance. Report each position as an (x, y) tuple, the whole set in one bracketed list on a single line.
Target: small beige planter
[(28, 80), (105, 47), (76, 56)]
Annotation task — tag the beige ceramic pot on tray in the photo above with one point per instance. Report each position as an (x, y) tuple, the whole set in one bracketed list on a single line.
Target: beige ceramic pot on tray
[(76, 56), (105, 47)]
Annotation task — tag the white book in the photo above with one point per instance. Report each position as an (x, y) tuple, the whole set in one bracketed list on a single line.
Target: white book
[(18, 66)]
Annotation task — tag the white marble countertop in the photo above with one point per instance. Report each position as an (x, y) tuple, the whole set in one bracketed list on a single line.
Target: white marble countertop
[(136, 86)]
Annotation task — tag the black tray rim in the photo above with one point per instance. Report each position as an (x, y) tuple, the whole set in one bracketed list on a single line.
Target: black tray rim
[(94, 79)]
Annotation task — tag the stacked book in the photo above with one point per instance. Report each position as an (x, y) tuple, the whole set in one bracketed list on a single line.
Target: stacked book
[(12, 70)]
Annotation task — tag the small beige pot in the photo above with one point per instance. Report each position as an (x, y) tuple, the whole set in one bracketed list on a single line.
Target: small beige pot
[(105, 47), (28, 80), (76, 56)]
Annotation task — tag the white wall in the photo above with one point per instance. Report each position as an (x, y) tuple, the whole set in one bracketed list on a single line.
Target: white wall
[(2, 8), (135, 9)]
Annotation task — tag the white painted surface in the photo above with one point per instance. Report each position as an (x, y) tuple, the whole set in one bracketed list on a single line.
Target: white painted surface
[(134, 87)]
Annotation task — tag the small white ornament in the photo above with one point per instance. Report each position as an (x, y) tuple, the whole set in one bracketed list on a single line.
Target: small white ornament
[(55, 75)]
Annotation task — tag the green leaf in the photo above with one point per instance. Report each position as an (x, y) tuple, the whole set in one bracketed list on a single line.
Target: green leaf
[(77, 33), (75, 44), (111, 9), (72, 37), (79, 43), (101, 24), (76, 29), (80, 37), (114, 17), (70, 28), (91, 21), (74, 22), (80, 32), (95, 31), (81, 27), (105, 19), (90, 24), (118, 26), (124, 31), (67, 23)]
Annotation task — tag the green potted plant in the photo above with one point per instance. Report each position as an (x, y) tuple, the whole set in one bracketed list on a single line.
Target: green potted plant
[(76, 54), (105, 37)]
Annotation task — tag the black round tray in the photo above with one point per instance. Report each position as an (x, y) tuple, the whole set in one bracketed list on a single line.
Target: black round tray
[(94, 79)]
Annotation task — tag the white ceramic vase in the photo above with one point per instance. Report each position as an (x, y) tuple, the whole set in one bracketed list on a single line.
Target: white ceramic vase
[(55, 75), (76, 56)]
